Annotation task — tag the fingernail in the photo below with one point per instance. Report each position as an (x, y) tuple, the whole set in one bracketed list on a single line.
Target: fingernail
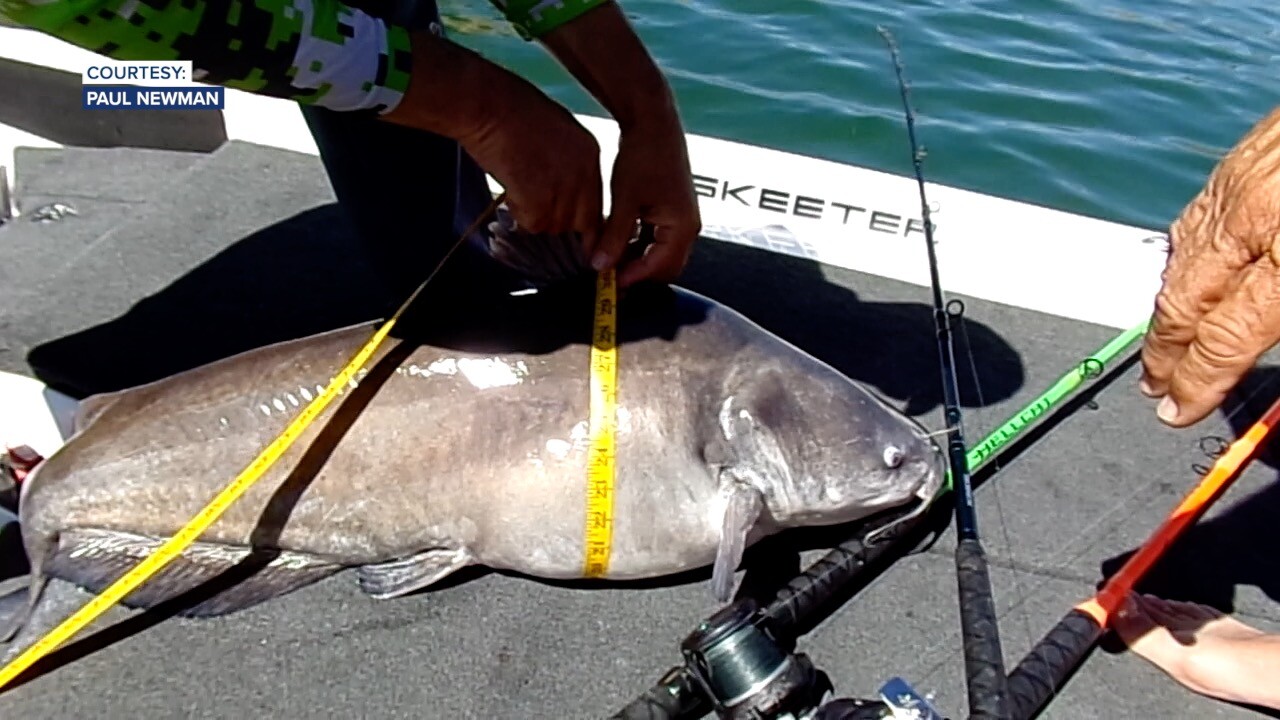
[(1145, 386), (600, 261), (1167, 410)]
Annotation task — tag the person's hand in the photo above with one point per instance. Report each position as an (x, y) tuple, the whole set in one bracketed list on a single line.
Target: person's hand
[(1219, 308), (546, 161), (651, 183)]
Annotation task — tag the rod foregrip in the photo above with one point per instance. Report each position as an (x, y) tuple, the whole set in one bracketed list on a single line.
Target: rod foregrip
[(671, 698), (1045, 669), (983, 656), (801, 600)]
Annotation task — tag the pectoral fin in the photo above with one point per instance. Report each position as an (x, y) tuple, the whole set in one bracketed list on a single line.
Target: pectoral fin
[(740, 515), (399, 577)]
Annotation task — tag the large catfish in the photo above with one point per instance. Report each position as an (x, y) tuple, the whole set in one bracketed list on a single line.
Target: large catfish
[(467, 444)]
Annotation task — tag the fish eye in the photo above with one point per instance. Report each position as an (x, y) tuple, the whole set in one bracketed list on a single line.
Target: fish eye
[(893, 456)]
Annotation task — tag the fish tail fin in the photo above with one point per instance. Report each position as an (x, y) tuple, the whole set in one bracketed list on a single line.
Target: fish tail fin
[(539, 258), (18, 615)]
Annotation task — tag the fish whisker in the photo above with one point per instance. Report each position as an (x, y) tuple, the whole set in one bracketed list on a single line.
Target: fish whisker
[(931, 435)]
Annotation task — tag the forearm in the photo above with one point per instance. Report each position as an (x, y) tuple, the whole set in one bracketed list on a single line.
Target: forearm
[(448, 88), (602, 50)]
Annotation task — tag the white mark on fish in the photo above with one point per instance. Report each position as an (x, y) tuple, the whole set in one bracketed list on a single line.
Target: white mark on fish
[(559, 448), (279, 402), (580, 434), (483, 373), (726, 422), (446, 366), (492, 372), (224, 422)]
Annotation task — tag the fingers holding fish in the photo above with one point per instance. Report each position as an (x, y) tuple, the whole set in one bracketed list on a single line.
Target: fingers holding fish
[(652, 183)]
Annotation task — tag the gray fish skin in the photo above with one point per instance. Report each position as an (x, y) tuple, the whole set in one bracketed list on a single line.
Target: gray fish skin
[(472, 450)]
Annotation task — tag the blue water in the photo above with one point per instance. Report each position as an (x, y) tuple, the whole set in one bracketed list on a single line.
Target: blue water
[(1116, 110)]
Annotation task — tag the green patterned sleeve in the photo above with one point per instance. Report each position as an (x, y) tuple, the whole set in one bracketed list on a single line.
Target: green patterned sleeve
[(317, 52)]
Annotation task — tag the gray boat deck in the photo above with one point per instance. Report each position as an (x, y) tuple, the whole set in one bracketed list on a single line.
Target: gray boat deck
[(177, 258)]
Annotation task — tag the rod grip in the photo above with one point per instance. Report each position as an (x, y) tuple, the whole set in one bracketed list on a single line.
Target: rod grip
[(983, 656), (802, 600), (1046, 667), (671, 698)]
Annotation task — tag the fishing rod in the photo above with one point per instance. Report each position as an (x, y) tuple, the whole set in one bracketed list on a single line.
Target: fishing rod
[(685, 691), (983, 657), (1046, 667)]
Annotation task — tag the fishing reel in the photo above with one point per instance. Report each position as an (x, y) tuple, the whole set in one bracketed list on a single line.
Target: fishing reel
[(746, 675)]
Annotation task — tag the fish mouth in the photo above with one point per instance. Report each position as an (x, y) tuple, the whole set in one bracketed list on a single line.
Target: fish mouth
[(933, 477)]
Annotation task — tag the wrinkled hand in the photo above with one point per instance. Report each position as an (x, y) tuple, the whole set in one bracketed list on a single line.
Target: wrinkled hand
[(651, 183), (1219, 307), (547, 162)]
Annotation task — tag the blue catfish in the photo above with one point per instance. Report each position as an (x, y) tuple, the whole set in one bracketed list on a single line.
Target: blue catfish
[(467, 444)]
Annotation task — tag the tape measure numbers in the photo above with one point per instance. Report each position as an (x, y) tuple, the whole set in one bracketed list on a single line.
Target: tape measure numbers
[(604, 401)]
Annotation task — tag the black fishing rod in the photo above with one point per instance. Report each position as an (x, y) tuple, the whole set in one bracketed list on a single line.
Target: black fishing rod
[(983, 656)]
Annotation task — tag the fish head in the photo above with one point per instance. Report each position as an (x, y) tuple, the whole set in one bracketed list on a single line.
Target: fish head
[(823, 450)]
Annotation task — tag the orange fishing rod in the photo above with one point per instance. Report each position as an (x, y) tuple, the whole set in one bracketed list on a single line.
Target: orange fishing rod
[(1047, 666)]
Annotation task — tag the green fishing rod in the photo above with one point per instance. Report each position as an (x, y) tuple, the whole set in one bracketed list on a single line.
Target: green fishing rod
[(1091, 367)]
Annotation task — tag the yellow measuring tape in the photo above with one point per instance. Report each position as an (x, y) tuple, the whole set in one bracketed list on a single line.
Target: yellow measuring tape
[(604, 399), (216, 507)]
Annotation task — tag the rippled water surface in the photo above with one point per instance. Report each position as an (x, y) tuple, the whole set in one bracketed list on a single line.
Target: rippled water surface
[(1112, 109)]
